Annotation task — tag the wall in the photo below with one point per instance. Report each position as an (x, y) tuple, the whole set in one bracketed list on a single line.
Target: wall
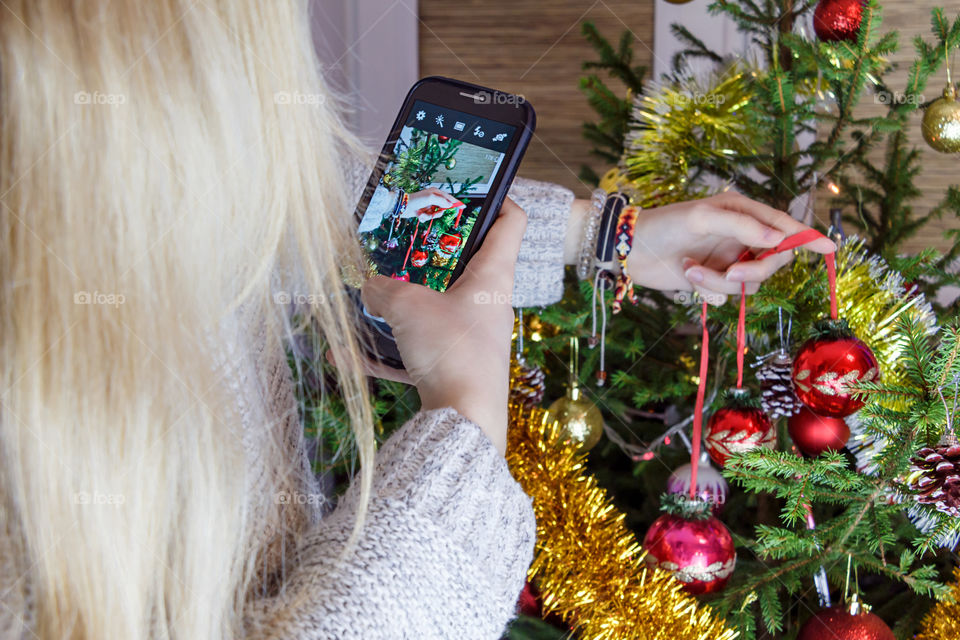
[(912, 18), (369, 52), (533, 48)]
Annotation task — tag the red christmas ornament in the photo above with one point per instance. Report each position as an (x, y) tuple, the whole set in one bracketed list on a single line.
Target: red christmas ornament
[(826, 367), (813, 434), (401, 276), (442, 138), (449, 243), (837, 622), (735, 429), (419, 258), (835, 20), (529, 602), (699, 553)]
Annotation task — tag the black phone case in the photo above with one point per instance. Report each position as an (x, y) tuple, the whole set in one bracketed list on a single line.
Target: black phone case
[(379, 342)]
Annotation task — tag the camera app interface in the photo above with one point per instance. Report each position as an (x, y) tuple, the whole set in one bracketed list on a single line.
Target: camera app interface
[(437, 179)]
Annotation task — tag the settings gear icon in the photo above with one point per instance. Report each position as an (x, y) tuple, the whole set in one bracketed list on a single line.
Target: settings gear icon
[(421, 114)]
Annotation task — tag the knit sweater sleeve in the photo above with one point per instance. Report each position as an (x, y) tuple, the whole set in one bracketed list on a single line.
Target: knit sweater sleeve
[(538, 279), (443, 553)]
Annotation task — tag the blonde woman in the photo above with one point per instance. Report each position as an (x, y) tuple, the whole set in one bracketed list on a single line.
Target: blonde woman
[(155, 195)]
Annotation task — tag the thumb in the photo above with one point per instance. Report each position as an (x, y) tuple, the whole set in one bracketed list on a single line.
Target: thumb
[(495, 261)]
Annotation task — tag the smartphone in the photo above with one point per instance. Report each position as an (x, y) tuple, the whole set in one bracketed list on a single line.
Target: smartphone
[(437, 187)]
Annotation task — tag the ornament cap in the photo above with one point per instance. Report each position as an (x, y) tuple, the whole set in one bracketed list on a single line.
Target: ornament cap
[(832, 328), (684, 507), (741, 398)]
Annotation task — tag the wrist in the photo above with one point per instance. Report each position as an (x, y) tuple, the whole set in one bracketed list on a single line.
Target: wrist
[(488, 410), (575, 231)]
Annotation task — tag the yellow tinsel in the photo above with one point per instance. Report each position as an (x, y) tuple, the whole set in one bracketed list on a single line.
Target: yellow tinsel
[(679, 126), (588, 564), (942, 622)]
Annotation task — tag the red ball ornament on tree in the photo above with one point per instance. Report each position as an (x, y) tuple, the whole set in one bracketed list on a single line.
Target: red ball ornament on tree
[(813, 434), (836, 20), (828, 366), (529, 601), (419, 258), (838, 622), (692, 545), (449, 243), (738, 427)]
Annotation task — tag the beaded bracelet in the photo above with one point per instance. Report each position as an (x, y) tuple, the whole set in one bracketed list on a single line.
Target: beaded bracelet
[(589, 240)]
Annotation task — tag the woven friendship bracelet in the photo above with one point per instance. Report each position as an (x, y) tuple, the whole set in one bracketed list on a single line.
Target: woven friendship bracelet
[(626, 223)]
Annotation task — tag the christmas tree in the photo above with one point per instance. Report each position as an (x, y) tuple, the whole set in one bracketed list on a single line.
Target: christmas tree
[(873, 515), (740, 128)]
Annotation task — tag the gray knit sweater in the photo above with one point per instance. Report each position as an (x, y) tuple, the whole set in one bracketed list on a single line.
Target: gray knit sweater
[(449, 533)]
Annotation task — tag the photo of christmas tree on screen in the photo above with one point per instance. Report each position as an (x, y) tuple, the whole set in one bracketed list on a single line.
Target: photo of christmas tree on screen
[(445, 182)]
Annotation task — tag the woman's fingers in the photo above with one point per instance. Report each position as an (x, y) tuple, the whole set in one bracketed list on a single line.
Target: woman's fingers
[(427, 217), (773, 218), (377, 370), (757, 270), (705, 278), (446, 196), (494, 263), (387, 297), (747, 230)]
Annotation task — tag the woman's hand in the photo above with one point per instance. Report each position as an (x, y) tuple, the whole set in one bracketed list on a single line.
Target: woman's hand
[(696, 245), (456, 345), (429, 197)]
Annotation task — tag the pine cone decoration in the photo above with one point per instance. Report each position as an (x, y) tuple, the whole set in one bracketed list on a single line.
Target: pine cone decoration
[(526, 383), (776, 384), (937, 477)]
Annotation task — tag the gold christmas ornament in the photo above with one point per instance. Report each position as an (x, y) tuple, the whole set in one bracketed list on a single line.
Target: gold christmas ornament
[(588, 565), (579, 419), (941, 122), (942, 622)]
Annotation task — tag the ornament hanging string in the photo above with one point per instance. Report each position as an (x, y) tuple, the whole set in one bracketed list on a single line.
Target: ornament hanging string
[(698, 407), (788, 244), (802, 238), (413, 240)]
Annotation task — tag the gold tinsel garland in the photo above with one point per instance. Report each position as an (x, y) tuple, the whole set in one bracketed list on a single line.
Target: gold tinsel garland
[(680, 125), (942, 622), (588, 564)]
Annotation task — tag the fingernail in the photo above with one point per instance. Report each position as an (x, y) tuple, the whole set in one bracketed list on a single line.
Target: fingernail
[(773, 235), (735, 275), (694, 275)]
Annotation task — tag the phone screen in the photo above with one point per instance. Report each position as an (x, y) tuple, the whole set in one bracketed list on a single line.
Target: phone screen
[(436, 181)]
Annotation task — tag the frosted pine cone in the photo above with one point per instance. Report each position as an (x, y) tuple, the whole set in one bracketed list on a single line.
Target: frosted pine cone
[(776, 384), (937, 477), (526, 383)]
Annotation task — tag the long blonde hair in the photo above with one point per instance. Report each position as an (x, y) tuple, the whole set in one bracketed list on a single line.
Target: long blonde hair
[(160, 163)]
